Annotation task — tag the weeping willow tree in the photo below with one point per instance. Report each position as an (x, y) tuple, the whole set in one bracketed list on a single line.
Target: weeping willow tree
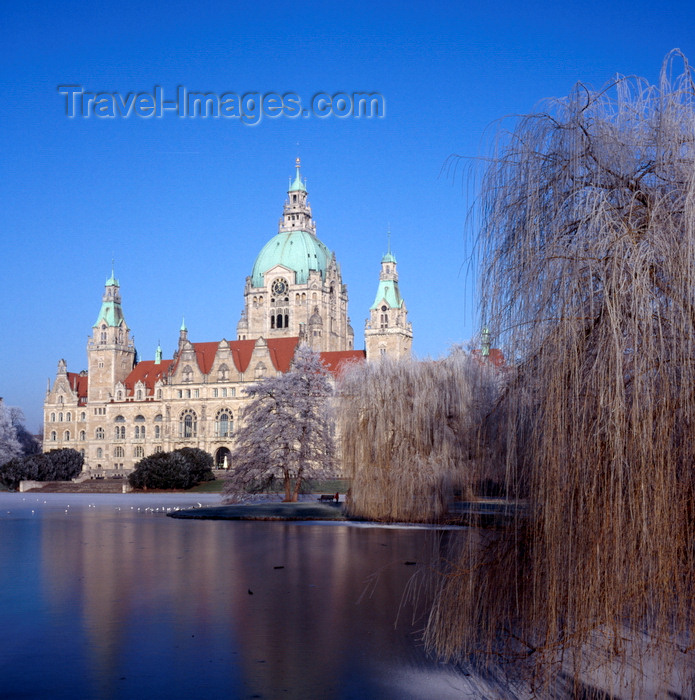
[(588, 251), (408, 433)]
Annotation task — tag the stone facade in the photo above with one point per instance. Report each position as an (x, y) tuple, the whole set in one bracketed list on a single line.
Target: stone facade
[(121, 410)]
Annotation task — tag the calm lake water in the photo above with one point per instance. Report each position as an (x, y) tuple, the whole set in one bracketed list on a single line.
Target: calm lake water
[(105, 597)]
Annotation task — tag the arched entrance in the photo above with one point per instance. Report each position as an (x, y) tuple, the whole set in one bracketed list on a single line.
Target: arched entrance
[(220, 456)]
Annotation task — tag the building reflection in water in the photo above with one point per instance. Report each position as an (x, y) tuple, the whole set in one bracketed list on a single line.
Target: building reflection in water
[(182, 608)]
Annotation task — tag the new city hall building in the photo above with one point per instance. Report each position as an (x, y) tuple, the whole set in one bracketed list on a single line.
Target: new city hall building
[(120, 410)]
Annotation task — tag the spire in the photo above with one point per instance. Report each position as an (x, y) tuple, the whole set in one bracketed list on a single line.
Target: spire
[(158, 354), (111, 312), (297, 185), (389, 257), (183, 335), (112, 281)]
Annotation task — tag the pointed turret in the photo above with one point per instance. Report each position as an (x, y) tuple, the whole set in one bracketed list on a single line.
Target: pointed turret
[(296, 214), (387, 330), (110, 349)]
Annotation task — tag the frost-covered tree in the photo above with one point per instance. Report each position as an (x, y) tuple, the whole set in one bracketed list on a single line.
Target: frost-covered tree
[(287, 433), (588, 251), (30, 445), (10, 446), (410, 433)]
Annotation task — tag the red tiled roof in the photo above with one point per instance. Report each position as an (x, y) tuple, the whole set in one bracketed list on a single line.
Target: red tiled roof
[(336, 360), (78, 383), (205, 355), (282, 351), (147, 372), (496, 357), (241, 353)]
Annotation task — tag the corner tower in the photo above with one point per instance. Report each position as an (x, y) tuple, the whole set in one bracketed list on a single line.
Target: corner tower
[(387, 330), (295, 287), (110, 350)]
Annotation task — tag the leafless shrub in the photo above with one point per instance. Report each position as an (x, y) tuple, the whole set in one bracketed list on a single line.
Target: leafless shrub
[(409, 433), (588, 245)]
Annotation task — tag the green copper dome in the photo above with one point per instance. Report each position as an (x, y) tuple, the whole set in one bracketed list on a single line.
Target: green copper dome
[(297, 250)]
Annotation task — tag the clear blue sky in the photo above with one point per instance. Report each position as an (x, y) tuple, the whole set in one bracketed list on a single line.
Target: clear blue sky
[(184, 205)]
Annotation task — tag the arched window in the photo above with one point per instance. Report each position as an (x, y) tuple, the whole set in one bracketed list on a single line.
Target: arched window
[(187, 374), (188, 424), (66, 436), (83, 416), (54, 436), (100, 453), (60, 400), (118, 452), (53, 417), (119, 395), (99, 433), (139, 452), (158, 426), (159, 394), (83, 435), (60, 416), (119, 432), (224, 423), (68, 416), (138, 395)]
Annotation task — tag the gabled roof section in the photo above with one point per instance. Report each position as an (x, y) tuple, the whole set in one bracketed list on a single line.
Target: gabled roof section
[(78, 383), (282, 351), (205, 355), (147, 372), (241, 353), (337, 360)]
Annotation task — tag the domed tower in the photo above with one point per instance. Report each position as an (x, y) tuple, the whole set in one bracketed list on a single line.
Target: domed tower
[(296, 282), (387, 330)]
